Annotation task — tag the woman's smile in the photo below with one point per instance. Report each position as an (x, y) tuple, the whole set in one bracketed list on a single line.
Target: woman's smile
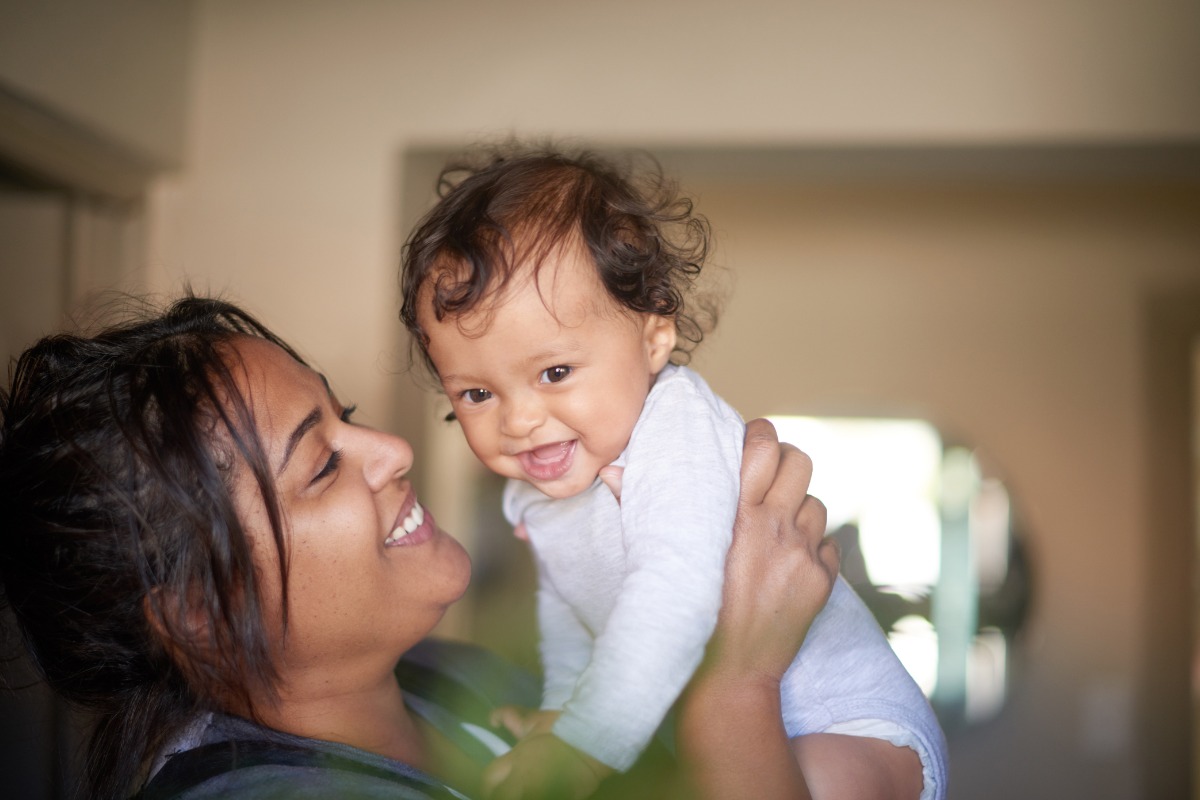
[(413, 528)]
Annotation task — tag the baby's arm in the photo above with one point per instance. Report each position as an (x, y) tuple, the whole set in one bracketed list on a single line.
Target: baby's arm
[(564, 643), (541, 765), (678, 500)]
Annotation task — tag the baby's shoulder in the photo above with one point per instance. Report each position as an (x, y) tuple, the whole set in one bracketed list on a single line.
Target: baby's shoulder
[(680, 390)]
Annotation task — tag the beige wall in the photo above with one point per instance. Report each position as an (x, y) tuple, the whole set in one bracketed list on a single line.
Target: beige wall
[(1012, 315), (302, 111), (1013, 319), (118, 68)]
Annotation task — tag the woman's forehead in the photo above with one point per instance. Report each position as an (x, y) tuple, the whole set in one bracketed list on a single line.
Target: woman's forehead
[(265, 366), (273, 385)]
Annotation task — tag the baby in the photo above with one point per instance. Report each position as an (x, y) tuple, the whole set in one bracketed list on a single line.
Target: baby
[(549, 294)]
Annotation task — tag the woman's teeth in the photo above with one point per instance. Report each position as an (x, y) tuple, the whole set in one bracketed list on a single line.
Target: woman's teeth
[(410, 524)]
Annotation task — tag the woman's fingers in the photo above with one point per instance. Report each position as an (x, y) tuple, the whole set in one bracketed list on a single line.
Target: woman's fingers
[(780, 569), (772, 471), (811, 519), (831, 558), (760, 461), (822, 556)]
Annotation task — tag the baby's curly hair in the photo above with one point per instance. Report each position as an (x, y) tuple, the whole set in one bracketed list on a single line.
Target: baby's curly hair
[(514, 205)]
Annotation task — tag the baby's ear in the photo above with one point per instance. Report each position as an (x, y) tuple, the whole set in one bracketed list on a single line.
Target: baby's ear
[(658, 334)]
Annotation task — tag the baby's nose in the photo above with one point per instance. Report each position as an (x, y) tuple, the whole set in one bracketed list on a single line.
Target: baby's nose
[(521, 417)]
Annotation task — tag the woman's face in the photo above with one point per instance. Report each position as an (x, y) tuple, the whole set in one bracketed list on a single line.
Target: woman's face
[(369, 571)]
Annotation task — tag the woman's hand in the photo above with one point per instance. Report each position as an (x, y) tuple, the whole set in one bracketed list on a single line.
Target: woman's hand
[(780, 568), (778, 576)]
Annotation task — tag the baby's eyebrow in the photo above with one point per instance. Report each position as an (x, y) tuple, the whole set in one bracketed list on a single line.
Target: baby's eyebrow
[(558, 350), (453, 379)]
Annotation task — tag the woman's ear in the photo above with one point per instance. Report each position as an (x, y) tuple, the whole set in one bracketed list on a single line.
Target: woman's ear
[(204, 654), (179, 623), (658, 334)]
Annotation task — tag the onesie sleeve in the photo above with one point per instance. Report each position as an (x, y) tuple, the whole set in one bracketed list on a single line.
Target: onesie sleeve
[(565, 646), (678, 502), (564, 642)]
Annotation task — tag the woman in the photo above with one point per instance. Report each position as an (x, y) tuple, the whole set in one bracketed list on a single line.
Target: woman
[(203, 549)]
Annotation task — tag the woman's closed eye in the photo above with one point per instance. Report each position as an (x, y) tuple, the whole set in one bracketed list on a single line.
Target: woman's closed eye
[(331, 465), (555, 374), (335, 458)]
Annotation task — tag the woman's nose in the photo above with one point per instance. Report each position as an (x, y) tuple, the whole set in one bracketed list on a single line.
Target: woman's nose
[(388, 457)]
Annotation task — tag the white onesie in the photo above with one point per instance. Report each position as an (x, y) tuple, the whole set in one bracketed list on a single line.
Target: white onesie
[(628, 596)]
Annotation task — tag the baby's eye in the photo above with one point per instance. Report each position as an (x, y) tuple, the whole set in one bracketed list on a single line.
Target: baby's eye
[(555, 374), (348, 412), (476, 395)]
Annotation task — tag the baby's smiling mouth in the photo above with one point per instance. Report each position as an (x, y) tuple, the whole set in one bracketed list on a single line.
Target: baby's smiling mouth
[(549, 461)]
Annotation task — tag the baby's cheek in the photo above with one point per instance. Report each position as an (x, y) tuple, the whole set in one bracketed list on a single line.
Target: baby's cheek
[(485, 448), (475, 439)]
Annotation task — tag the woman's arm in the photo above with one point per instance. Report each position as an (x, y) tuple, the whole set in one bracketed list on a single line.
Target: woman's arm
[(779, 574)]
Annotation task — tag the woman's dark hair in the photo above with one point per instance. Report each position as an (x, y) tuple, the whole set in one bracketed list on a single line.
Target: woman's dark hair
[(515, 205), (121, 554)]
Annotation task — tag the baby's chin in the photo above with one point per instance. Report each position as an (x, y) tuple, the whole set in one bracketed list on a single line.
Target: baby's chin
[(563, 488)]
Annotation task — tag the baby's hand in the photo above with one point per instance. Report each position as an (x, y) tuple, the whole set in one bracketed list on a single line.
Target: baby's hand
[(612, 477), (523, 722), (543, 767)]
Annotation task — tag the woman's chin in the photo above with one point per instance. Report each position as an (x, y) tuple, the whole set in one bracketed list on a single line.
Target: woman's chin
[(460, 579)]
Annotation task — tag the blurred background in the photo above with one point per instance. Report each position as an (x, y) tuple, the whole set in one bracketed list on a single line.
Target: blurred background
[(960, 244)]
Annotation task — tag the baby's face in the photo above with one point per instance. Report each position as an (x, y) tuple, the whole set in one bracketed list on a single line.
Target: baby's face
[(548, 385)]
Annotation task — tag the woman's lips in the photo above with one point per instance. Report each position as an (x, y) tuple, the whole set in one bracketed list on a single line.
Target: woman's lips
[(548, 462), (415, 527)]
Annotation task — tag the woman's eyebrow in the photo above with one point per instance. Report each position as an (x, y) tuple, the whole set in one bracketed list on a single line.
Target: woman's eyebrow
[(304, 427)]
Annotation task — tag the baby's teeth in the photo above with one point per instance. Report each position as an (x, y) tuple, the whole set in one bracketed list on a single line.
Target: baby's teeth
[(410, 524), (418, 513)]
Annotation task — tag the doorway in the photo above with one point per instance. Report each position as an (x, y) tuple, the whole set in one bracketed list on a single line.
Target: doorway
[(60, 251)]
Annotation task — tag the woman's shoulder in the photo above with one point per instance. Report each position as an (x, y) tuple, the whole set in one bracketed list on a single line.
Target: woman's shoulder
[(257, 763), (453, 685), (266, 766)]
